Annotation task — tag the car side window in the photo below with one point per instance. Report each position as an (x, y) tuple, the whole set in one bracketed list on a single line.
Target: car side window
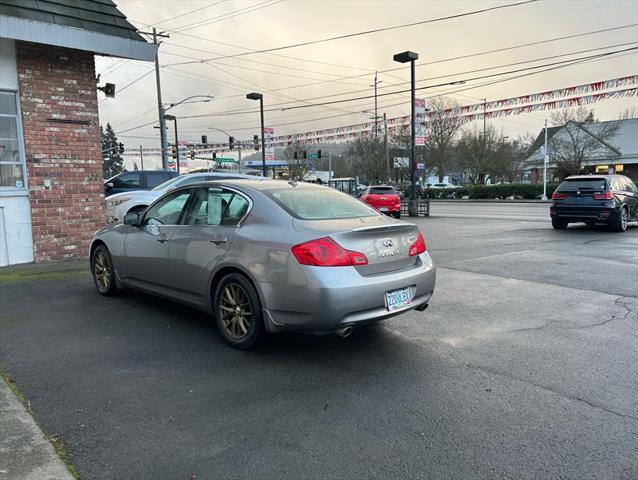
[(154, 179), (168, 210), (631, 186), (127, 180), (217, 206)]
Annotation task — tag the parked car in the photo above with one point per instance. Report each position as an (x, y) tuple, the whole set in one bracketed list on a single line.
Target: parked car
[(443, 185), (609, 199), (268, 256), (384, 198), (118, 205), (136, 180)]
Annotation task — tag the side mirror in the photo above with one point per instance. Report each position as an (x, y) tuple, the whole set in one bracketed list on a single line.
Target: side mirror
[(132, 218)]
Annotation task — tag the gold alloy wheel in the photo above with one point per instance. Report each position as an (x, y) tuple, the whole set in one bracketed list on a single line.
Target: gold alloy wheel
[(101, 271), (234, 311)]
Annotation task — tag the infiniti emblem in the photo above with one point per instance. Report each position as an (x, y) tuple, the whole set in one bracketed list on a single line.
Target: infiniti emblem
[(388, 243)]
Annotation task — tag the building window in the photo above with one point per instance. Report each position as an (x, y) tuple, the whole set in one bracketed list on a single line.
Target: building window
[(12, 169)]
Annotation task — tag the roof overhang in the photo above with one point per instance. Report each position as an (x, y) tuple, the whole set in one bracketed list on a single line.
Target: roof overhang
[(62, 36)]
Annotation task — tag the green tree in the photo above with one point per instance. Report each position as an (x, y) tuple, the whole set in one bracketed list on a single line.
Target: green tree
[(113, 163)]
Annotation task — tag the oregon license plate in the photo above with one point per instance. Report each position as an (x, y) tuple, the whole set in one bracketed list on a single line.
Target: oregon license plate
[(397, 299)]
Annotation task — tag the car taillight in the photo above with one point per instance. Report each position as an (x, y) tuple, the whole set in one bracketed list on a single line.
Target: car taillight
[(325, 252), (604, 196), (418, 247), (558, 196)]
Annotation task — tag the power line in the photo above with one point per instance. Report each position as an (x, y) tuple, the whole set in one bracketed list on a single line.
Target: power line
[(552, 66), (180, 15), (376, 30), (226, 16)]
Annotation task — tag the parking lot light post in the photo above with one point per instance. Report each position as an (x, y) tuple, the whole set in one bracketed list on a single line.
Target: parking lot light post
[(411, 57), (260, 97), (544, 197), (174, 119)]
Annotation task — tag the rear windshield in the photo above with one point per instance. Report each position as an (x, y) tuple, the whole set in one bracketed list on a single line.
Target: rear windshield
[(382, 190), (320, 204), (577, 184)]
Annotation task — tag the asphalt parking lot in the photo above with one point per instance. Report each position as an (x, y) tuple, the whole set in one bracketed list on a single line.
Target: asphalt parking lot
[(524, 366)]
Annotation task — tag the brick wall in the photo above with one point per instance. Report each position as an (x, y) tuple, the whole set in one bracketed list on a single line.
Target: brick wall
[(62, 139)]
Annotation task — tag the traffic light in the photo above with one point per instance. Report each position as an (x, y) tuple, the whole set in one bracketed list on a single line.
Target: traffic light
[(294, 155), (121, 147), (319, 153), (214, 155), (231, 142), (256, 141), (305, 154), (204, 139), (191, 154), (173, 151)]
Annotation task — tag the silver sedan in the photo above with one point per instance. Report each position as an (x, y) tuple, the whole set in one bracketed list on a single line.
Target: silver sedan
[(268, 256)]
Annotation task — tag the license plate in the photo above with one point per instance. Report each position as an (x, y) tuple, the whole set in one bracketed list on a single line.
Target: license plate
[(397, 299), (383, 209)]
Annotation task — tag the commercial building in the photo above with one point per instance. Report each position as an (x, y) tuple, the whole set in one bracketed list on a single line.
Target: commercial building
[(51, 191)]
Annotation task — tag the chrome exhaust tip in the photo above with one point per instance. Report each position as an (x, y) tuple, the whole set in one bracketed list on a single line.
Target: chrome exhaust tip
[(343, 332)]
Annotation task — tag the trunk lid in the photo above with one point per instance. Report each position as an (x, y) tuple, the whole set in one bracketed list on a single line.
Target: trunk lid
[(385, 243)]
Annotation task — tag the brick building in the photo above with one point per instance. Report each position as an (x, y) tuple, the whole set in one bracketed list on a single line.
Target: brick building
[(51, 191)]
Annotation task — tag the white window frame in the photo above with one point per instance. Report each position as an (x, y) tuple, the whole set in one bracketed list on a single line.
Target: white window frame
[(21, 148)]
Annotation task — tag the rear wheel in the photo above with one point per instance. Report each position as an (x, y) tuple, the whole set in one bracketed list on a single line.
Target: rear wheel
[(103, 272), (396, 214), (619, 224), (558, 224), (238, 312)]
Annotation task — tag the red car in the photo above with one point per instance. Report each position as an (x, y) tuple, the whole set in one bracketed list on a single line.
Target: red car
[(384, 198)]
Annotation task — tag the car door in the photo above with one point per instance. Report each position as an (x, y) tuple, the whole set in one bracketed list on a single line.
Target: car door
[(146, 246), (206, 233), (631, 197)]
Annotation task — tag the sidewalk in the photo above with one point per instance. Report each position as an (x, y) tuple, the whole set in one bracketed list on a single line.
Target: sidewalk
[(25, 453)]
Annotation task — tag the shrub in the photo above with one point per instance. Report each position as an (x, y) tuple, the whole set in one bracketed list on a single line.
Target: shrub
[(480, 192)]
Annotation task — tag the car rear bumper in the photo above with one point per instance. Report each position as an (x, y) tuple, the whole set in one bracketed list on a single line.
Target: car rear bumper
[(337, 298), (588, 213)]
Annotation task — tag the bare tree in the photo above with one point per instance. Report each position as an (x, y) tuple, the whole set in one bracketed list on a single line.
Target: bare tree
[(481, 156), (297, 167), (628, 114), (441, 131), (512, 159), (368, 153), (578, 140), (578, 114)]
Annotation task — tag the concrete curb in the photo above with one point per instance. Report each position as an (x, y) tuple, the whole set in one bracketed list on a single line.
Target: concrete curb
[(486, 200), (25, 452)]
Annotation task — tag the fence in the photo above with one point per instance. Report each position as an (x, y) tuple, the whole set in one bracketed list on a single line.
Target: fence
[(423, 207)]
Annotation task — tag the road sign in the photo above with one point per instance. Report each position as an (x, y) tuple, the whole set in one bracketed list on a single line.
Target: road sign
[(269, 163), (420, 166), (311, 166), (313, 155), (226, 160)]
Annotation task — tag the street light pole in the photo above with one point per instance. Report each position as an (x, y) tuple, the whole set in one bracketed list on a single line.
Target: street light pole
[(260, 97), (544, 198), (411, 57)]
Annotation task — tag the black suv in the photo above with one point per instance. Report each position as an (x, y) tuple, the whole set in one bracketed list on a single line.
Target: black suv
[(136, 180), (609, 199)]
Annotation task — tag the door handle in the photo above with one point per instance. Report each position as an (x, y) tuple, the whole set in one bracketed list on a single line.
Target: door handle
[(218, 240), (162, 238)]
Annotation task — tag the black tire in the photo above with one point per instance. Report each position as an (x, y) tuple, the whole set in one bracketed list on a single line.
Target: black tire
[(103, 272), (397, 215), (234, 289), (558, 224), (619, 224)]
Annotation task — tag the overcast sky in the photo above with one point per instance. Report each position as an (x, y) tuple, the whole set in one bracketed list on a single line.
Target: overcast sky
[(277, 23)]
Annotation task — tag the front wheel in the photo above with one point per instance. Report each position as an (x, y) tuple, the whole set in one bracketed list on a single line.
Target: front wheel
[(238, 312), (619, 224), (103, 272), (558, 224)]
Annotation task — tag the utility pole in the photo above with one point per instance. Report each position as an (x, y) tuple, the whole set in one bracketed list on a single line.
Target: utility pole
[(484, 122), (385, 144), (376, 117), (141, 158), (329, 167), (545, 159), (239, 153), (160, 106)]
